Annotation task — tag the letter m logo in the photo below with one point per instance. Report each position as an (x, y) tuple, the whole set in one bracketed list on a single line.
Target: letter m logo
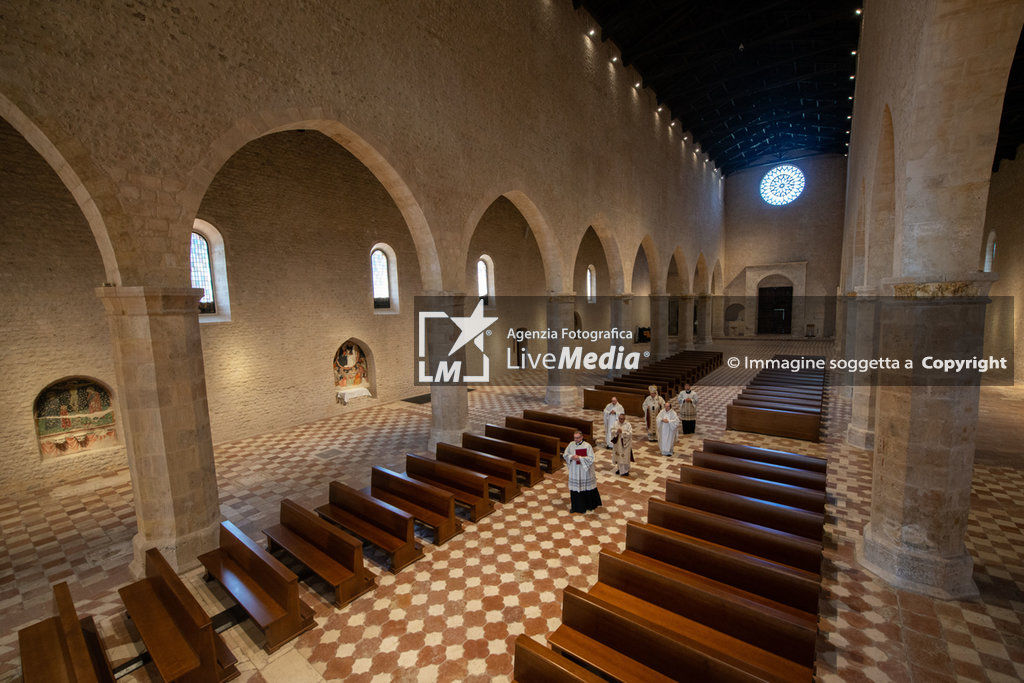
[(446, 373)]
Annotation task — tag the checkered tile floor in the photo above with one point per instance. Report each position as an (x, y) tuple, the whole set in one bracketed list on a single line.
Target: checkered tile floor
[(453, 615)]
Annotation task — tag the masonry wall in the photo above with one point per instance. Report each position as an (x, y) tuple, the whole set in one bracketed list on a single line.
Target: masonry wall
[(1005, 208), (808, 229), (54, 326)]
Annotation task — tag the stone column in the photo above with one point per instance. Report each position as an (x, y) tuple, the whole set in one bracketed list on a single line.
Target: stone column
[(659, 327), (704, 319), (924, 444), (619, 317), (158, 360), (561, 390), (449, 403), (686, 320), (863, 332)]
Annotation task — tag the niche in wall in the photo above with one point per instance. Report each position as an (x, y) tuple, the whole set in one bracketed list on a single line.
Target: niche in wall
[(73, 416), (352, 371)]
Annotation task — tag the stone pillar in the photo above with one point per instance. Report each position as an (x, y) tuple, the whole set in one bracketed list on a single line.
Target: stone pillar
[(704, 319), (924, 444), (158, 360), (659, 327), (863, 332), (561, 390), (449, 403), (619, 317), (686, 321)]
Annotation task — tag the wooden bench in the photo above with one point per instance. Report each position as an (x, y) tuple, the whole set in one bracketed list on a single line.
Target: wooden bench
[(535, 663), (526, 458), (428, 504), (326, 550), (563, 434), (627, 388), (773, 422), (374, 521), (586, 427), (63, 648), (762, 470), (632, 640), (266, 589), (784, 494), (786, 399), (548, 446), (772, 515), (786, 392), (771, 544), (777, 581), (597, 399), (770, 625), (806, 462), (772, 404), (500, 473), (469, 488), (177, 632)]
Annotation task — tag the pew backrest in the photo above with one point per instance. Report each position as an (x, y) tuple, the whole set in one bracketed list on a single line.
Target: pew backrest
[(382, 515)]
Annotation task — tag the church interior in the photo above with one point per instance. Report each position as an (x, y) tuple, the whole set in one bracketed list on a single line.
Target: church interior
[(247, 205)]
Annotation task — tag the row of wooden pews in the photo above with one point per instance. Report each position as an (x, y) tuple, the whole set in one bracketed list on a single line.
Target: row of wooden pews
[(720, 584), (782, 403), (669, 375)]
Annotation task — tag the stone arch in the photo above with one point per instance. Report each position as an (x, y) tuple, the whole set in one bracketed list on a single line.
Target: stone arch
[(250, 128), (658, 274), (881, 223), (73, 415), (701, 283), (717, 300), (678, 258), (92, 191), (352, 373), (612, 256)]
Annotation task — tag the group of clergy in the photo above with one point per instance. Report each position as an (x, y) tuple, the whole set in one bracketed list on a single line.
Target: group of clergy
[(661, 420)]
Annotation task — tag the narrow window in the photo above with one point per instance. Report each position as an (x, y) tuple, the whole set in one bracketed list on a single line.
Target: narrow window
[(591, 284), (202, 272), (485, 279), (381, 284), (990, 253)]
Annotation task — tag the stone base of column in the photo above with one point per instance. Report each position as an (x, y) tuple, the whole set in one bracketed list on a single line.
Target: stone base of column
[(946, 578), (861, 438), (181, 552), (562, 396), (452, 436)]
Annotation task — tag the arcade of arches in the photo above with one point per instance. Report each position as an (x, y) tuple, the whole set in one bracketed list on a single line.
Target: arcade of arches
[(298, 141)]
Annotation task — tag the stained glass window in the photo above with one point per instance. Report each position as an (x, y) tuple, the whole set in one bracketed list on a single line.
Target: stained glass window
[(381, 284), (202, 272), (782, 184)]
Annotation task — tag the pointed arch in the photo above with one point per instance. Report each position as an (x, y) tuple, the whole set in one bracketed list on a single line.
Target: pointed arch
[(612, 255), (250, 128), (678, 260), (701, 283)]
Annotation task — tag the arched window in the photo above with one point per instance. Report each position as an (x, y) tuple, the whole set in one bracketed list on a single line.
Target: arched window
[(209, 272), (990, 252), (385, 278), (485, 279), (591, 284)]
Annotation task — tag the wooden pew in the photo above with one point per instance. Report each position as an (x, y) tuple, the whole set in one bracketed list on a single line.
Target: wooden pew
[(597, 399), (468, 487), (63, 648), (762, 470), (375, 521), (586, 427), (564, 434), (628, 388), (633, 640), (771, 404), (785, 494), (772, 515), (326, 550), (548, 446), (806, 394), (770, 625), (177, 632), (773, 422), (500, 473), (266, 589), (771, 544), (428, 504), (787, 399), (777, 581), (806, 462), (526, 458), (535, 663)]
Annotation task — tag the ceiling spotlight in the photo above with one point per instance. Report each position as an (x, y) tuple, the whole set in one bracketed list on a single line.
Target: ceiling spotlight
[(672, 124), (614, 59), (857, 12), (852, 77), (850, 97), (849, 117), (853, 52), (659, 109), (591, 32), (637, 85)]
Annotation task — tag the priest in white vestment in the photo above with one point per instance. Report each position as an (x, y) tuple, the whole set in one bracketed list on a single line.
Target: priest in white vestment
[(611, 420), (623, 453), (652, 406), (668, 429)]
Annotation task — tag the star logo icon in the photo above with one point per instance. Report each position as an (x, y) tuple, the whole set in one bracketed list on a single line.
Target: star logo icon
[(472, 328)]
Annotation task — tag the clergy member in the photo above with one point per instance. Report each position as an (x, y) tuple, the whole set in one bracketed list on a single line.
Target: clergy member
[(668, 429), (611, 420), (579, 460), (688, 409), (652, 406), (623, 453)]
